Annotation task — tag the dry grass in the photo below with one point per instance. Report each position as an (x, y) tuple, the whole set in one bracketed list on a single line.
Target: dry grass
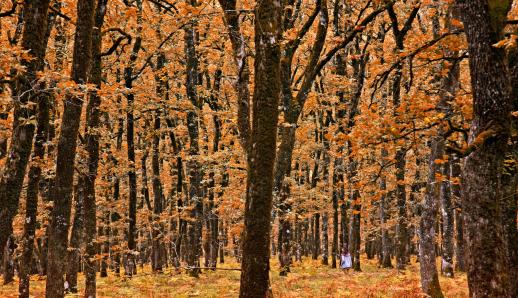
[(307, 279)]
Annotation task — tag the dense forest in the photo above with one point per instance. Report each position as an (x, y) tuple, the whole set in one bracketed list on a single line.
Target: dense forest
[(175, 137)]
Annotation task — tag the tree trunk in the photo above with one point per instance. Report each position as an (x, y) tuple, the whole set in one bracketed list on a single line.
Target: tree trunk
[(344, 226), (325, 240), (31, 206), (194, 227), (131, 265), (337, 195), (427, 257), (67, 150), (76, 238), (447, 222), (386, 261), (316, 236), (11, 180), (92, 147), (460, 254), (488, 263), (510, 179), (8, 260), (261, 156), (157, 257), (402, 219), (354, 236)]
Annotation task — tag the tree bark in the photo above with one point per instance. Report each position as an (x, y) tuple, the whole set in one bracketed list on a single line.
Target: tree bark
[(256, 243), (76, 238), (35, 15), (92, 147), (487, 260), (337, 195), (447, 222), (66, 152), (427, 256), (131, 266), (325, 240), (402, 219), (31, 206), (386, 261), (157, 257), (194, 227), (460, 254), (510, 179)]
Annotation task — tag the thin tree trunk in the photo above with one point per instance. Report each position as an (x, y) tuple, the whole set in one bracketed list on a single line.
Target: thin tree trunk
[(157, 241), (447, 222), (344, 226), (193, 165), (76, 238), (131, 265), (325, 240), (337, 185), (386, 261), (92, 147), (316, 236), (402, 219), (460, 254), (427, 256)]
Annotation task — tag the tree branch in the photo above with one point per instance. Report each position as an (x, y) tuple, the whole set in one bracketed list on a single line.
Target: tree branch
[(11, 11)]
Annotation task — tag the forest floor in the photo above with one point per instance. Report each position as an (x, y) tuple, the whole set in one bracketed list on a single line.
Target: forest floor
[(307, 279)]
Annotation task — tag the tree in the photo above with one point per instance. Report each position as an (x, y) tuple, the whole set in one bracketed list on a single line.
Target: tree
[(26, 98), (261, 150), (482, 194), (34, 175), (66, 151), (92, 146)]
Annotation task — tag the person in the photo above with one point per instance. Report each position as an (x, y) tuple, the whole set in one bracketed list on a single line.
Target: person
[(345, 260), (285, 261)]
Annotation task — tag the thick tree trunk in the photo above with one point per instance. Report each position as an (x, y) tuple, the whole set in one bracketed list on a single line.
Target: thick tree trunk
[(31, 206), (510, 180), (488, 262), (67, 150), (11, 180), (261, 157)]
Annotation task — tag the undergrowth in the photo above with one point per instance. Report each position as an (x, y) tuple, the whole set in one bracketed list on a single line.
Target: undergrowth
[(307, 279)]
